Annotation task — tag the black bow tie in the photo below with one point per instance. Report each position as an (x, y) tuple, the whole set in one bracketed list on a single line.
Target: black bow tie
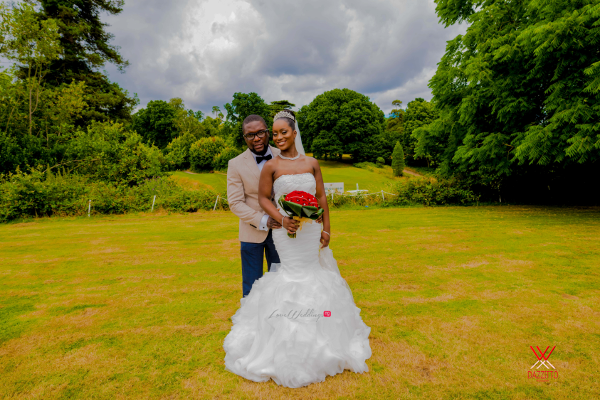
[(260, 159)]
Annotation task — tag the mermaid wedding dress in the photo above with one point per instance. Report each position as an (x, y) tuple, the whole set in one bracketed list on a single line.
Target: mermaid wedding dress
[(299, 323)]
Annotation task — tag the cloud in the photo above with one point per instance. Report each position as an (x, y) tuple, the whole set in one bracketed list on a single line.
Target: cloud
[(205, 50)]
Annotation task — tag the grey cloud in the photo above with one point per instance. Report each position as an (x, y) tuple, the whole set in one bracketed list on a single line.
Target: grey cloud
[(204, 51)]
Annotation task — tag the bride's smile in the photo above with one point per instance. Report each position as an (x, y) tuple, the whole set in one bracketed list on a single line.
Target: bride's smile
[(283, 135)]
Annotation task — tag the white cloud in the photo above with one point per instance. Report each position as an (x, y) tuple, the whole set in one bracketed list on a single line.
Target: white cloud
[(204, 51)]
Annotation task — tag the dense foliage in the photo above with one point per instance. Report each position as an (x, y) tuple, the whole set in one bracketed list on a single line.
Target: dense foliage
[(342, 121), (156, 123), (398, 163), (242, 105), (38, 193), (519, 97), (86, 48), (418, 113), (204, 151)]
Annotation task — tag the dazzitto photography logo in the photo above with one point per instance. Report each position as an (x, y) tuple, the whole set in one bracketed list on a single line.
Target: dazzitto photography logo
[(295, 314), (542, 361)]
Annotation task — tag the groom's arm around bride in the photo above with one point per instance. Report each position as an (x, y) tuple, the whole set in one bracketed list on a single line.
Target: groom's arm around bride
[(255, 225)]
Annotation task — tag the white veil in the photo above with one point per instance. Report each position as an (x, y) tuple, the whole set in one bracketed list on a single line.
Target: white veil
[(298, 142)]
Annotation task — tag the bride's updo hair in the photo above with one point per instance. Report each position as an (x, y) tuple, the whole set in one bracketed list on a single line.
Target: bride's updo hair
[(285, 115)]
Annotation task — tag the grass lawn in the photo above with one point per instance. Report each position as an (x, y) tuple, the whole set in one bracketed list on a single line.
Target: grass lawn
[(138, 306), (333, 171), (216, 181)]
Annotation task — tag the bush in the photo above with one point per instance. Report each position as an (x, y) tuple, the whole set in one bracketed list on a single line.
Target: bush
[(221, 160), (369, 166), (178, 151), (380, 162), (32, 194), (204, 151), (38, 194), (108, 152), (398, 160), (431, 191)]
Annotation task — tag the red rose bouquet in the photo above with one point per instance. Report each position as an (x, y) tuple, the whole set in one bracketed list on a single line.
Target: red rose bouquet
[(300, 206)]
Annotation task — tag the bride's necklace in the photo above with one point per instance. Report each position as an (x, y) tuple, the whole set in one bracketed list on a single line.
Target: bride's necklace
[(290, 158)]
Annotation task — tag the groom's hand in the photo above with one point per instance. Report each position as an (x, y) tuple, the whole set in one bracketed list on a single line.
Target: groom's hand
[(272, 224)]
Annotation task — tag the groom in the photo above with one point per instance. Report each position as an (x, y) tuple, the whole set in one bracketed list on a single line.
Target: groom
[(243, 175)]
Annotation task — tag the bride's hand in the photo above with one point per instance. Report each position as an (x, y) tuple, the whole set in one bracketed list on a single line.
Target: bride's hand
[(291, 225), (324, 239)]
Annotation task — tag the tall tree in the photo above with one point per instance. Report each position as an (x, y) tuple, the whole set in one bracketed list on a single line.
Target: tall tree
[(32, 45), (242, 105), (398, 160), (280, 105), (519, 93), (419, 112), (156, 123), (86, 48), (343, 119), (395, 121)]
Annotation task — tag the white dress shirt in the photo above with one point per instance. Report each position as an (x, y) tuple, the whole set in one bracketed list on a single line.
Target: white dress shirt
[(263, 222)]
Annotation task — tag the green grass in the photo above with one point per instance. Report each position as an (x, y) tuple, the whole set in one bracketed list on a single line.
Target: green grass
[(138, 306), (373, 180), (216, 181)]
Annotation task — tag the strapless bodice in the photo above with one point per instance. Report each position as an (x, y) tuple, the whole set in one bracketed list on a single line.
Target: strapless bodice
[(288, 183)]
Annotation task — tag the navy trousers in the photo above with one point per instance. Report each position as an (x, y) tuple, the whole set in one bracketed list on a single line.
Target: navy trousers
[(252, 260)]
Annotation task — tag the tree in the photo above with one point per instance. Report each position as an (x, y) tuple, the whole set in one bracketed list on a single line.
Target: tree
[(108, 152), (519, 94), (156, 123), (217, 112), (344, 114), (398, 160), (187, 121), (418, 113), (280, 105), (395, 122), (32, 45), (245, 104), (204, 151), (327, 146), (86, 48)]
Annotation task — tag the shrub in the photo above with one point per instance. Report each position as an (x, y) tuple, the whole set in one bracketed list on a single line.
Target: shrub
[(380, 162), (221, 160), (38, 194), (178, 151), (204, 151), (23, 194), (369, 166), (398, 160), (108, 152), (431, 191)]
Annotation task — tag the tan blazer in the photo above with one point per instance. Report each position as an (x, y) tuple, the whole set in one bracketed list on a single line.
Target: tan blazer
[(242, 193)]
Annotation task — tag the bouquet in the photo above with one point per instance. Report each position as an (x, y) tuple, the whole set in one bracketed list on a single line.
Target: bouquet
[(301, 206)]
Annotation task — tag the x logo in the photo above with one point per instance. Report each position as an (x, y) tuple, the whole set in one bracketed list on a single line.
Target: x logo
[(542, 358)]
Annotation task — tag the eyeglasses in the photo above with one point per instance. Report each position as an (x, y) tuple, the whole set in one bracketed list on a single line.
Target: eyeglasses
[(260, 134)]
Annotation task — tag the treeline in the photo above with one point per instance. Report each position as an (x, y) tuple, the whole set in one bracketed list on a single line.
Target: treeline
[(517, 100), (514, 115)]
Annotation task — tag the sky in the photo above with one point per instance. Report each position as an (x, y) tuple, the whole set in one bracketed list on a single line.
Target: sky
[(206, 50)]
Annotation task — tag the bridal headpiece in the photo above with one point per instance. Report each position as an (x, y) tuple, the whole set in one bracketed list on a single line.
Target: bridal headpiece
[(287, 114), (284, 114)]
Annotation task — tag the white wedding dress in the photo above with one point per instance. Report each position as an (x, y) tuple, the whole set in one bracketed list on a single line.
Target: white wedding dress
[(281, 330)]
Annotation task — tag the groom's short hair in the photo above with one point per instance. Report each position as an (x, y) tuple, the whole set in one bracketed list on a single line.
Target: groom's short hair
[(252, 118)]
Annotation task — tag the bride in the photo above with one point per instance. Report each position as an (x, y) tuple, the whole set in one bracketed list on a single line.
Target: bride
[(299, 323)]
